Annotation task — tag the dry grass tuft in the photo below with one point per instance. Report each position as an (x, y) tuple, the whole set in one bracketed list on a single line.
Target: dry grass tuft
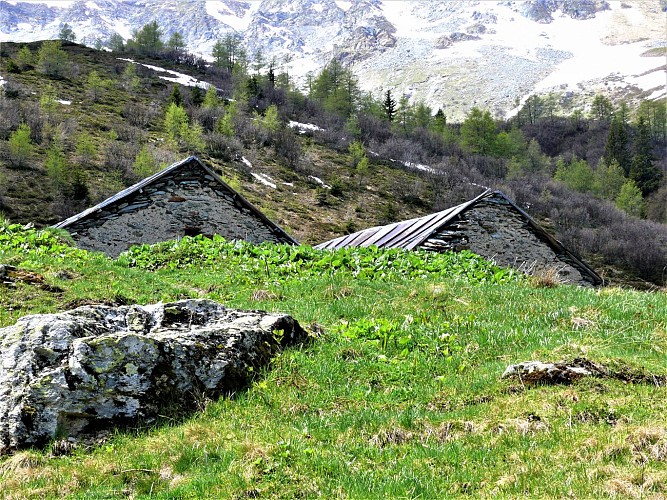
[(333, 292), (391, 437), (622, 487), (20, 461), (548, 277), (261, 295), (523, 426), (647, 443)]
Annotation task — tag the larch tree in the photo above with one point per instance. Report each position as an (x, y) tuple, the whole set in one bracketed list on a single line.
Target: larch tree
[(147, 40), (176, 42), (52, 60), (20, 147), (478, 132)]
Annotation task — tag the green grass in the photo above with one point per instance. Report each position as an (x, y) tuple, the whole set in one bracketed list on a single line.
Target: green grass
[(400, 395)]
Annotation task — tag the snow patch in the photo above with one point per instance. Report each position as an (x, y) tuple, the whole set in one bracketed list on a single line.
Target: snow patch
[(318, 7), (649, 81), (658, 94), (343, 5), (407, 24), (219, 10), (179, 78), (93, 5), (246, 161), (63, 101), (419, 166), (264, 179), (63, 4), (121, 27), (319, 181), (304, 127)]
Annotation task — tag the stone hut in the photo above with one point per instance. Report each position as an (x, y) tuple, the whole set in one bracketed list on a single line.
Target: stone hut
[(185, 199), (490, 225)]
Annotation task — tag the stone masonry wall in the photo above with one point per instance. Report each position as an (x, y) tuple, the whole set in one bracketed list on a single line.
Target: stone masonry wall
[(185, 202), (496, 231)]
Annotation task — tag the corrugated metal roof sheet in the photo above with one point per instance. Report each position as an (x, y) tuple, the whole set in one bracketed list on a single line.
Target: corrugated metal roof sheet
[(406, 234), (410, 234), (121, 195)]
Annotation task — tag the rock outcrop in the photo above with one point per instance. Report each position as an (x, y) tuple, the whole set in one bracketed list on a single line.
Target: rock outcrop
[(78, 374)]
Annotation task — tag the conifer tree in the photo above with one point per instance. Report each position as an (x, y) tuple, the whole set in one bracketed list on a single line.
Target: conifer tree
[(478, 132), (47, 101), (116, 43), (646, 175), (617, 146), (225, 124), (439, 121), (129, 78), (145, 163), (608, 180), (20, 147), (94, 86), (336, 88), (175, 120), (389, 105), (601, 108), (56, 167), (85, 150), (66, 33), (211, 100), (270, 121), (196, 95), (176, 42), (228, 53), (52, 60), (25, 58), (630, 199), (175, 97), (576, 175), (147, 40)]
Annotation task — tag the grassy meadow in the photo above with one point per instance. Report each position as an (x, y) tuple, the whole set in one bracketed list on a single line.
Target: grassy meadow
[(399, 395)]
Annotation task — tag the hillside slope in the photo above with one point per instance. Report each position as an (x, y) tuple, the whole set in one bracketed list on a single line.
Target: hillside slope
[(101, 124)]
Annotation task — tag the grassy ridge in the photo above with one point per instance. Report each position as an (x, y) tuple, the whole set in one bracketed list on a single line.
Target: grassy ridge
[(400, 395)]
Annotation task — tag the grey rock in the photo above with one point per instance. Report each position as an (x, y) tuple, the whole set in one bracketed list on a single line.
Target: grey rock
[(78, 374), (538, 372)]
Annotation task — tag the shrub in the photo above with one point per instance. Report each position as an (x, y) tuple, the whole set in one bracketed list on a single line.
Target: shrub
[(222, 147), (288, 147), (19, 146)]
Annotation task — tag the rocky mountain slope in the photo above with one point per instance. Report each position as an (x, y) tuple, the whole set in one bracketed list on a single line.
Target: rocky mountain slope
[(453, 55)]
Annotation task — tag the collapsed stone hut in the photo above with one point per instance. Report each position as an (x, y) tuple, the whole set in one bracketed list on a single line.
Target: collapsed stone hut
[(185, 199), (490, 225)]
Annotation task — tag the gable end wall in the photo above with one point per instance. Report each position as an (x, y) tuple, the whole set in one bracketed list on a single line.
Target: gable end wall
[(496, 231), (186, 202)]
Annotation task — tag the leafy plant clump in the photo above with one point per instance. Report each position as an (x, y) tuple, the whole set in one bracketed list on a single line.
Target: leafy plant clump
[(34, 242), (271, 261)]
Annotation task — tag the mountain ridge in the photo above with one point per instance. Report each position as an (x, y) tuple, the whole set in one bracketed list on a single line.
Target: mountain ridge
[(446, 54)]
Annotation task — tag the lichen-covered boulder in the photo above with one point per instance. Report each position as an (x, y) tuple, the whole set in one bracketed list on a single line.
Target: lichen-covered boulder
[(75, 375)]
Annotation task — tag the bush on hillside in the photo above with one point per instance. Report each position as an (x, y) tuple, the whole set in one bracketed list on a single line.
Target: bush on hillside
[(590, 226)]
